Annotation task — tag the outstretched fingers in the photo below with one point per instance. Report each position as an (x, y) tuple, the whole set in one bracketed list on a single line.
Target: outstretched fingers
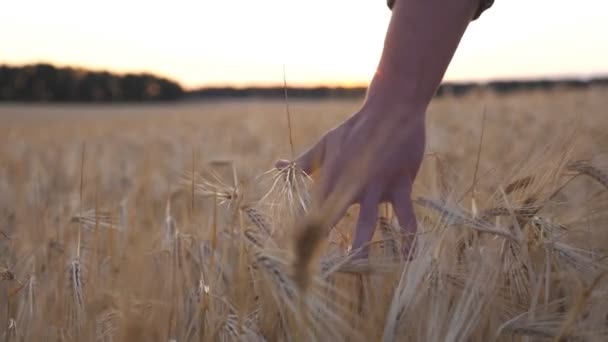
[(310, 160), (404, 209), (366, 224)]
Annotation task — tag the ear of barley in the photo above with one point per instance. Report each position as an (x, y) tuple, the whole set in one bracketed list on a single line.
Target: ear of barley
[(449, 216), (27, 312), (95, 219), (107, 325), (586, 168), (391, 246), (259, 220), (76, 281), (254, 237), (288, 192), (209, 184), (519, 184)]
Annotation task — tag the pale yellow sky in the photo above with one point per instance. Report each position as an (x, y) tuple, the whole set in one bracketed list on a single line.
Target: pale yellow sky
[(242, 42)]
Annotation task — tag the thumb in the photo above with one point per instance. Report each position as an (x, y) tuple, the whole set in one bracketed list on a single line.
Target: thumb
[(310, 160)]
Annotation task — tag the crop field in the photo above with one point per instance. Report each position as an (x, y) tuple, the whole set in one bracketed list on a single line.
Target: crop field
[(167, 222)]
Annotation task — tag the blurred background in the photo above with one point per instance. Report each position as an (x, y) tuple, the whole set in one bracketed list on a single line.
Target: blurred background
[(153, 50)]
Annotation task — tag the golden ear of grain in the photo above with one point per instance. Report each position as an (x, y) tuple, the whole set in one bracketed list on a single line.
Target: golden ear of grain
[(287, 192), (446, 213), (253, 237), (390, 244), (586, 168), (519, 184), (94, 219), (259, 220), (490, 213), (76, 274), (274, 269)]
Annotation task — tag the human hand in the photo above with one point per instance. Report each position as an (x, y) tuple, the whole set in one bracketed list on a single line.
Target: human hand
[(371, 158)]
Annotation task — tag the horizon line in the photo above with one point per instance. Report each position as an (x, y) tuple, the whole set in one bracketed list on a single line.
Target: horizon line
[(308, 85)]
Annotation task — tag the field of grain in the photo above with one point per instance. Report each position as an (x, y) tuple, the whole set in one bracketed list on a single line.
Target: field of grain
[(167, 223)]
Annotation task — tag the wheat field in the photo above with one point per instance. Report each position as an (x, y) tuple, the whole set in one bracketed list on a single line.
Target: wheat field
[(168, 223)]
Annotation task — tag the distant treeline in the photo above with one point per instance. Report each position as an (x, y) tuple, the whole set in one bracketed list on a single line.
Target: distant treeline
[(454, 89), (509, 86), (47, 83), (277, 92)]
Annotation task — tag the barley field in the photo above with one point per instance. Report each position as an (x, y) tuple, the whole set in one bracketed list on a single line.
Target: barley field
[(168, 223)]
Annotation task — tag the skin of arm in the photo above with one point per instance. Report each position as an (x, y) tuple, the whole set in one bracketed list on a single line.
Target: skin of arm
[(374, 156)]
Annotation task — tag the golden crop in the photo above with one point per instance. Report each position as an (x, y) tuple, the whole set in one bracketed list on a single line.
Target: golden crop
[(164, 223)]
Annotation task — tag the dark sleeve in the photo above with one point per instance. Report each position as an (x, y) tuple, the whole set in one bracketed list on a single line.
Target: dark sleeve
[(483, 5)]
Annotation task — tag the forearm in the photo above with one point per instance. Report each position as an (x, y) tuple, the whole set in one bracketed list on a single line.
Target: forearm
[(420, 42)]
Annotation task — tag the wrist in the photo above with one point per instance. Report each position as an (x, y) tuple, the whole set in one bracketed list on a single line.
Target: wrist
[(395, 99), (393, 108)]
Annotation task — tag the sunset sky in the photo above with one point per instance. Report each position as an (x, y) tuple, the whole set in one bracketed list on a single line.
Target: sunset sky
[(333, 42)]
